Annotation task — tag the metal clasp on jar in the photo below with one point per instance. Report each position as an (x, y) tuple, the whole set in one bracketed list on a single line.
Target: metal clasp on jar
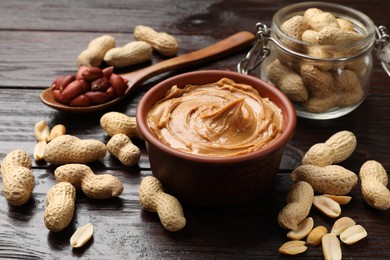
[(382, 46), (258, 52)]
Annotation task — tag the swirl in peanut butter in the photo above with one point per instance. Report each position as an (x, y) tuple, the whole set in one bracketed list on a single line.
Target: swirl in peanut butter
[(218, 119)]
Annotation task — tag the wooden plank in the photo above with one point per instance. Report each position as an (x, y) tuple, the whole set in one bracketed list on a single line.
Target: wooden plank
[(122, 16), (195, 17)]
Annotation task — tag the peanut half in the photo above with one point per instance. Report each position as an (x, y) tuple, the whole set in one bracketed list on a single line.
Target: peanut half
[(353, 234), (342, 224), (331, 247), (42, 131), (56, 131), (340, 199), (293, 247), (327, 206), (302, 230), (81, 236), (314, 238), (39, 150)]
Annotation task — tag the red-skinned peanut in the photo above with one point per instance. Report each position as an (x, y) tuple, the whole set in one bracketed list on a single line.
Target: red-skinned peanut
[(92, 73), (62, 81), (110, 93), (79, 73), (66, 81), (73, 90), (107, 72), (80, 101), (96, 97), (119, 84), (86, 85), (59, 98), (57, 83), (100, 84)]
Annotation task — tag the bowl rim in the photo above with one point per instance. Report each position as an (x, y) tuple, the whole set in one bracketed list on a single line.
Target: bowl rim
[(282, 140)]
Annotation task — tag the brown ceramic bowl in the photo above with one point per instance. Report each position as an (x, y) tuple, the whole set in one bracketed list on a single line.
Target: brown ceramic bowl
[(211, 180)]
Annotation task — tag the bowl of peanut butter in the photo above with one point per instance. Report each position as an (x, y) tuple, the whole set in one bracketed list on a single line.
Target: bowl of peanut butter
[(213, 137)]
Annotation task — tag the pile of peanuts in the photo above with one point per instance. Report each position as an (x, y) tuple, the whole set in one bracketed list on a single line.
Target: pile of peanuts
[(321, 183), (320, 85), (71, 155), (89, 86), (92, 85)]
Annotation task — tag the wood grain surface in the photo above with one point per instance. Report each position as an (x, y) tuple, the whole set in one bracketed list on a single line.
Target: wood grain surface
[(40, 40)]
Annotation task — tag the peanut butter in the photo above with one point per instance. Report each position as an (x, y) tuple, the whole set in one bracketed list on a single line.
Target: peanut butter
[(217, 119)]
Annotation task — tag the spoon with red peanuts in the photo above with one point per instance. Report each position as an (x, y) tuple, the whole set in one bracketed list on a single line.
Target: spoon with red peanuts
[(85, 100)]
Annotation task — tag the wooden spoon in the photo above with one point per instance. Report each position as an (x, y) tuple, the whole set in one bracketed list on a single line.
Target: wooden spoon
[(136, 78)]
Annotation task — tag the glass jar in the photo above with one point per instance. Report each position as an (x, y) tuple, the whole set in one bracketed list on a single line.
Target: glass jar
[(320, 55)]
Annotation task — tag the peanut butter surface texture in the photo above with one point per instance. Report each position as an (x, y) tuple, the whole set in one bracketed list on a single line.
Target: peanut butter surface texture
[(217, 119)]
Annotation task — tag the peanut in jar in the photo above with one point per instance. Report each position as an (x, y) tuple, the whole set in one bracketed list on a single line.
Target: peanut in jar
[(319, 55)]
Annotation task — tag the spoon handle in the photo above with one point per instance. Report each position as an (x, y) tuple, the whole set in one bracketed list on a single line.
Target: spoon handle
[(219, 49)]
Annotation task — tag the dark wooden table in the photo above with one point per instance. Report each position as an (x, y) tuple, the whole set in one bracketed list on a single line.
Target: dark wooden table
[(41, 39)]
